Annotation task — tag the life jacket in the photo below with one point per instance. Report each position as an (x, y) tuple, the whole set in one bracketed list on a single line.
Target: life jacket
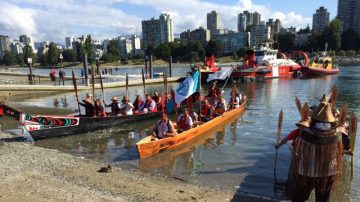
[(148, 104), (182, 122), (205, 110), (159, 128), (137, 104)]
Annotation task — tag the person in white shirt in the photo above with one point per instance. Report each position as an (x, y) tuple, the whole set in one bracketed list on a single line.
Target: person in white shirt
[(220, 105), (126, 106), (234, 101)]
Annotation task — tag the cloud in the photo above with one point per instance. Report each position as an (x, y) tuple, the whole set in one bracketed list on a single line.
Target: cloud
[(50, 20)]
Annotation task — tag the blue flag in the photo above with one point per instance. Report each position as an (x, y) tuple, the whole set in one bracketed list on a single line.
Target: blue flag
[(188, 87)]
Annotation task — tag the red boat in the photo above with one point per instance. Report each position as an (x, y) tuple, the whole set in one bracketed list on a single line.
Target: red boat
[(321, 66), (265, 64)]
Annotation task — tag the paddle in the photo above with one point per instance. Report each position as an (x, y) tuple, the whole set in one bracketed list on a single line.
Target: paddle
[(298, 104), (76, 92), (163, 113), (93, 86), (352, 134), (143, 79), (127, 84), (102, 89), (343, 113), (280, 120), (334, 95)]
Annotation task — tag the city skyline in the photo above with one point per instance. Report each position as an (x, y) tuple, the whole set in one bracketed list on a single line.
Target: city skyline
[(45, 20)]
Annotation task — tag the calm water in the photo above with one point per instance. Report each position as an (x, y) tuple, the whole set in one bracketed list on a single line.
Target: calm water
[(240, 156)]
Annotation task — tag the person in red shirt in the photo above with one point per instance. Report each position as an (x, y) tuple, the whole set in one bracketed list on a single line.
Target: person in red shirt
[(294, 134), (53, 76), (205, 113)]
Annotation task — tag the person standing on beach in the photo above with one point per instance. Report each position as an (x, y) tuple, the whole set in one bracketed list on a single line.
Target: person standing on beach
[(62, 76), (53, 76)]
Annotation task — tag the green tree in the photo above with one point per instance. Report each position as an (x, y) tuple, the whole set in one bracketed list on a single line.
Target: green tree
[(69, 55), (350, 40), (53, 54), (20, 59), (163, 51), (88, 49), (332, 34), (214, 47), (350, 53), (199, 49), (29, 53), (9, 58), (113, 51), (340, 53), (241, 52), (286, 42)]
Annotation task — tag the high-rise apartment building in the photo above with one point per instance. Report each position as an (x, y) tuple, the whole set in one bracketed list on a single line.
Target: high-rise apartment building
[(214, 22), (201, 34), (4, 45), (156, 32), (68, 42), (247, 19), (275, 25), (27, 40), (260, 34), (349, 14), (321, 19)]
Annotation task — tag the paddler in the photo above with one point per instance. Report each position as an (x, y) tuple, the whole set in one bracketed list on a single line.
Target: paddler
[(115, 110), (87, 104), (126, 108), (220, 105), (205, 111), (184, 121), (163, 128), (234, 101), (213, 90), (150, 105), (138, 104), (99, 109), (318, 156)]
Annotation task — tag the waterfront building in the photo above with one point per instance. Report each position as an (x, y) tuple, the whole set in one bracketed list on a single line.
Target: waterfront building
[(201, 34), (260, 34), (16, 47), (68, 42), (156, 32), (27, 40), (105, 44), (125, 47), (232, 41), (136, 45), (256, 18), (214, 22), (349, 14), (44, 47), (321, 19), (185, 35), (4, 45)]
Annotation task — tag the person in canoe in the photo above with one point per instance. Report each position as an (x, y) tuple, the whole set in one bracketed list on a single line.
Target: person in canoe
[(205, 111), (164, 128), (126, 108), (157, 99), (220, 105), (87, 104), (150, 105), (114, 106), (213, 90), (138, 104), (99, 109), (184, 121), (318, 156), (234, 101)]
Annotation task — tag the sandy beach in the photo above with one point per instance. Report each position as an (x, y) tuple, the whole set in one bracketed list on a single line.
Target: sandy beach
[(30, 173)]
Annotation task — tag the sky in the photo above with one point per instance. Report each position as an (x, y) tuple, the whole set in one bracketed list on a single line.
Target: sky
[(54, 20)]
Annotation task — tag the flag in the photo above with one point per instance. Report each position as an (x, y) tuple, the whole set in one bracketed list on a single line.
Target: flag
[(221, 75), (188, 87)]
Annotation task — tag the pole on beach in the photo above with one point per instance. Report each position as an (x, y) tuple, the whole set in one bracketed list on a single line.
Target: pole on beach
[(127, 84), (93, 86), (170, 66), (143, 79), (352, 134), (101, 81), (76, 92), (280, 120)]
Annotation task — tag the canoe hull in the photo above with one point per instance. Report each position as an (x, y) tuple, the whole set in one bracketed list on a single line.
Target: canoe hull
[(147, 148)]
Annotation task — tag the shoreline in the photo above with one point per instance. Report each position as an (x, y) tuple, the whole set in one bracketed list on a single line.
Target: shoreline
[(49, 175)]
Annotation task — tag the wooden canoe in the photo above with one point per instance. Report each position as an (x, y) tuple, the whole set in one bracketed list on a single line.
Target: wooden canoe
[(146, 147)]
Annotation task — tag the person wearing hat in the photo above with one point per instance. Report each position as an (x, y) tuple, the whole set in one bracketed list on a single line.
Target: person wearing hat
[(220, 105), (126, 108), (318, 156), (115, 110), (213, 90), (89, 107)]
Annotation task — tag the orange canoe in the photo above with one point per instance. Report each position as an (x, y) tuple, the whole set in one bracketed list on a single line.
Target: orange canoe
[(146, 147)]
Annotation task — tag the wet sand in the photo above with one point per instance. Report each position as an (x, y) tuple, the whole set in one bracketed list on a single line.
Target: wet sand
[(30, 173)]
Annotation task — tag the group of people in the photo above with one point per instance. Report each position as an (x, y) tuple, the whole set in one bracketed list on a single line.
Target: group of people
[(319, 143), (189, 118), (94, 108), (61, 76)]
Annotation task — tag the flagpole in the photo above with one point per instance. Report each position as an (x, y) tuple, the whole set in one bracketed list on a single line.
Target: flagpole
[(200, 94)]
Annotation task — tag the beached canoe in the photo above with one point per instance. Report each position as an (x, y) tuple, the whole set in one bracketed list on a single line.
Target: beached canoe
[(147, 147)]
